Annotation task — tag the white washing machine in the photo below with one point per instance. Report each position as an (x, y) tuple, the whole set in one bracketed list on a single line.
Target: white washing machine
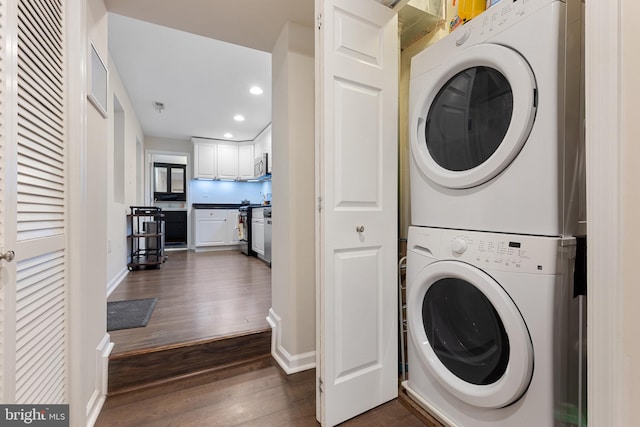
[(495, 122), (492, 328)]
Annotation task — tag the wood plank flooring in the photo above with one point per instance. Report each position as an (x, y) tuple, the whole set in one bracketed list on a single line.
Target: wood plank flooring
[(257, 396), (201, 295)]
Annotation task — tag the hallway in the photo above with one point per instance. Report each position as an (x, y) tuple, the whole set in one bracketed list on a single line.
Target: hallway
[(201, 295)]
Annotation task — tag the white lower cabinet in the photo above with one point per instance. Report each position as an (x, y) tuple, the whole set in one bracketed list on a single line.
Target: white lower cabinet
[(257, 231), (215, 227)]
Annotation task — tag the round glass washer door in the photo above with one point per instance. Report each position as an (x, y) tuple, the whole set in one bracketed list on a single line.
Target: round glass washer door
[(469, 334), (473, 115)]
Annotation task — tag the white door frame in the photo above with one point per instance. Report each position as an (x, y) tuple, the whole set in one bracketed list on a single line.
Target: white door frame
[(608, 390)]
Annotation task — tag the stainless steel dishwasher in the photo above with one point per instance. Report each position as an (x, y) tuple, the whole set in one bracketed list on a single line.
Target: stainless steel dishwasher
[(267, 235)]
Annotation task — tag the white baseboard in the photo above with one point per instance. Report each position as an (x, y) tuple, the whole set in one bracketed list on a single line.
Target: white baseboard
[(216, 248), (113, 284), (291, 364), (94, 406)]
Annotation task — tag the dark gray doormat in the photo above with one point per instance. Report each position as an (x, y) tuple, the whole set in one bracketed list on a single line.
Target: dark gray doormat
[(134, 313)]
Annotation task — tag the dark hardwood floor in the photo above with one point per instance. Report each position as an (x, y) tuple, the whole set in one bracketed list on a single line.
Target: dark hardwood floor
[(203, 298), (259, 395), (201, 295)]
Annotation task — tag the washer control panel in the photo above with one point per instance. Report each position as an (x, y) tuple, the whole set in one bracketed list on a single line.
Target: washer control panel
[(495, 251), (506, 252)]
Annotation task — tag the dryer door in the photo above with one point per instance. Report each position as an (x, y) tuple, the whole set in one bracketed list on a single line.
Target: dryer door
[(470, 334), (472, 115)]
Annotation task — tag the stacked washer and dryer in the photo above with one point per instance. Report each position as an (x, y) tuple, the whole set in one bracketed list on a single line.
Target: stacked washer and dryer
[(496, 176)]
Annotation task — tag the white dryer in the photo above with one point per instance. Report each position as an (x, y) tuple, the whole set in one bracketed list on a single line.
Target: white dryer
[(491, 324), (495, 122)]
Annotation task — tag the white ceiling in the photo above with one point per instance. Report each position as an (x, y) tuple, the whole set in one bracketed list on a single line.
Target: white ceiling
[(202, 80)]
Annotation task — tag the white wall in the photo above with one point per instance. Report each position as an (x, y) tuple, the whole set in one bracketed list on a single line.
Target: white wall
[(93, 253), (293, 260), (117, 210)]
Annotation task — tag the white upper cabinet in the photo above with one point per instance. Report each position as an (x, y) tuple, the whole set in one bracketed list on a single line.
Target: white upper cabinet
[(266, 145), (205, 160), (215, 159), (263, 145), (245, 161), (227, 161)]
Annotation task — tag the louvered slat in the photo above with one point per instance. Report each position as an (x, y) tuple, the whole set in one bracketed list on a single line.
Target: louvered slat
[(31, 63), (41, 208), (40, 326)]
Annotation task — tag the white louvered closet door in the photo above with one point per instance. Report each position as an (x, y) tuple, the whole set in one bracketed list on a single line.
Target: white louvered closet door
[(34, 330)]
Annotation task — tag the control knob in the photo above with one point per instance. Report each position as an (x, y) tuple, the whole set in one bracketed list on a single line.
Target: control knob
[(459, 245)]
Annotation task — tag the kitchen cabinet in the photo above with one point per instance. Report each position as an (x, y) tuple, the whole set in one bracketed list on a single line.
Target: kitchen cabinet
[(175, 227), (245, 161), (211, 227), (217, 160), (216, 227), (205, 160), (257, 231), (227, 161)]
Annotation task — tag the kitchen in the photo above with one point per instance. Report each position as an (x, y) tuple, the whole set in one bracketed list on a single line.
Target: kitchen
[(210, 206), (212, 134)]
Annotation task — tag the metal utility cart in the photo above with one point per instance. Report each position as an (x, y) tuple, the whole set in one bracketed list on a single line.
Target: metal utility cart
[(145, 237)]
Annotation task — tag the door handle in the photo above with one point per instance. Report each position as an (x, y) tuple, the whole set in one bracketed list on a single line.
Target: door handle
[(8, 256), (360, 229)]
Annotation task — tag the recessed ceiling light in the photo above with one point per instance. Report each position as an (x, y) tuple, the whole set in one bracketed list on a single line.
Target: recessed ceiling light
[(228, 135), (238, 118), (256, 90)]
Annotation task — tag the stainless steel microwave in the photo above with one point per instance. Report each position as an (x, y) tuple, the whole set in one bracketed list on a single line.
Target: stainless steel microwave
[(260, 166)]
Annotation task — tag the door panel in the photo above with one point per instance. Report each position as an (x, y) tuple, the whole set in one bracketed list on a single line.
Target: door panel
[(357, 75), (357, 145), (356, 325), (34, 328)]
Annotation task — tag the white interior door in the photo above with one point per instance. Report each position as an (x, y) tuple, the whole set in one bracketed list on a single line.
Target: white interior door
[(357, 74), (33, 334)]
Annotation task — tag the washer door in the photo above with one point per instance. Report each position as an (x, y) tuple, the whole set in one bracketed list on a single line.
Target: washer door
[(470, 334), (473, 116)]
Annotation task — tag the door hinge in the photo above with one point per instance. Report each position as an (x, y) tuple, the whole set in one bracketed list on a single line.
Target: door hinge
[(319, 19), (320, 385), (319, 204)]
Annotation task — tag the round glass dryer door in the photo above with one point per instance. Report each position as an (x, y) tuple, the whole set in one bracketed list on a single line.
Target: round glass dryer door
[(470, 334), (473, 116)]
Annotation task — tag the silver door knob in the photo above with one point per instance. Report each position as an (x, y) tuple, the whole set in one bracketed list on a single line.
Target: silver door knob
[(360, 229), (8, 256)]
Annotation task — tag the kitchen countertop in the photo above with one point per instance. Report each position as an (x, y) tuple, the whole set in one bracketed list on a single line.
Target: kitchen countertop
[(220, 205)]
